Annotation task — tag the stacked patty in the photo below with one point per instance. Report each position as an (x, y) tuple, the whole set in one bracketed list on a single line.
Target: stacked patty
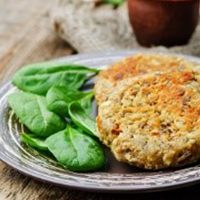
[(152, 120), (133, 66)]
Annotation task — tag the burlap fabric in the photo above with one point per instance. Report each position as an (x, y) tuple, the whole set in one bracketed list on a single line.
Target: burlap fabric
[(91, 28)]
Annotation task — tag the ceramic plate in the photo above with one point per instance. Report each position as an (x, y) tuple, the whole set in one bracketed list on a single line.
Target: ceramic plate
[(116, 177)]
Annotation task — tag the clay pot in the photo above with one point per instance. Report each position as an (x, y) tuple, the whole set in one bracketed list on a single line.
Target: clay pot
[(163, 22)]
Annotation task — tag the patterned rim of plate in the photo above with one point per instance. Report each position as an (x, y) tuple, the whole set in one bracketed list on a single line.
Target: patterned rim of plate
[(30, 162)]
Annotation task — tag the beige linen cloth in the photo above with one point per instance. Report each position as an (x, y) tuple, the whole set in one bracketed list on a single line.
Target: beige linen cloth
[(91, 28)]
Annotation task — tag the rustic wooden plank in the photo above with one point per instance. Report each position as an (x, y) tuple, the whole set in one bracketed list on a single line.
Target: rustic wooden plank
[(26, 35), (19, 187)]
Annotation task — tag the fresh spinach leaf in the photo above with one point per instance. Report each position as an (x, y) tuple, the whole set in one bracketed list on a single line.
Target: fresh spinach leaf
[(86, 102), (40, 77), (32, 141), (59, 98), (82, 119), (32, 111), (76, 151)]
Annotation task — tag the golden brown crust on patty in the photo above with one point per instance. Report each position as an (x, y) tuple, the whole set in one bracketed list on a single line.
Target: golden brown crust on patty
[(153, 121), (109, 129), (157, 152), (157, 117), (133, 66)]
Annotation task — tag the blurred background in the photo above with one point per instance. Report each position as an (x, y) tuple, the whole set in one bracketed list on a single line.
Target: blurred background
[(41, 30)]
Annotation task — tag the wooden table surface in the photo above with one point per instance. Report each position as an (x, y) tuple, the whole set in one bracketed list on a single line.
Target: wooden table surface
[(26, 36)]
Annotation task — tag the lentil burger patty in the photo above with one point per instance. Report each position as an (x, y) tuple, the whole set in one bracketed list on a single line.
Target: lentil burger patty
[(133, 66), (108, 119), (157, 118)]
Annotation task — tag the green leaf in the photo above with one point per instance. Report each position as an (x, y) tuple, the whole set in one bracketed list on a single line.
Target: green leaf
[(76, 151), (114, 2), (32, 111), (59, 98), (32, 141), (86, 101), (82, 119), (40, 77)]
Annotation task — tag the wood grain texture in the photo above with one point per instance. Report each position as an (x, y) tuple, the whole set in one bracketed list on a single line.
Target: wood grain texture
[(25, 36)]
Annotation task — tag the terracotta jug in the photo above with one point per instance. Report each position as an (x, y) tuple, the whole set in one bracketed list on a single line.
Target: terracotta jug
[(163, 22)]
